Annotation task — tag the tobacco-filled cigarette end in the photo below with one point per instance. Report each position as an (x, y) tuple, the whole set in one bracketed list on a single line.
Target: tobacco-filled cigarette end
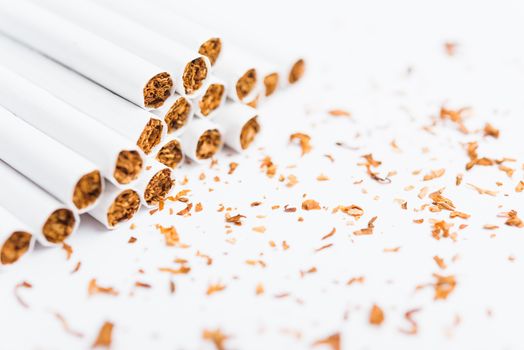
[(59, 225), (297, 71), (249, 132), (270, 83), (211, 99), (123, 208), (209, 143), (211, 49), (157, 90), (16, 245), (158, 187), (87, 190), (128, 167), (194, 75), (171, 154), (178, 115), (246, 83), (150, 136)]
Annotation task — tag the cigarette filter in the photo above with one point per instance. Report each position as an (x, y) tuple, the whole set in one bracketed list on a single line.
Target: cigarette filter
[(213, 97), (119, 160), (131, 121), (16, 239), (171, 153), (177, 113), (156, 183), (50, 221), (69, 177), (188, 66), (201, 140), (239, 124), (128, 75), (116, 206)]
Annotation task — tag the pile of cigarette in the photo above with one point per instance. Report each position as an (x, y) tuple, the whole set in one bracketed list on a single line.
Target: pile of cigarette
[(97, 109)]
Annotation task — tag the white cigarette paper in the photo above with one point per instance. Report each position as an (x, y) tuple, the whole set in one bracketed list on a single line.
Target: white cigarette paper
[(119, 160), (177, 113), (213, 97), (116, 206), (171, 153), (131, 121), (63, 173), (171, 24), (202, 140), (16, 240), (155, 184), (239, 124), (50, 221), (189, 69), (128, 75)]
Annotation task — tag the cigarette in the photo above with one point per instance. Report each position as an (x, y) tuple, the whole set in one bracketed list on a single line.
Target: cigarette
[(189, 66), (116, 206), (213, 97), (177, 113), (131, 121), (239, 124), (156, 183), (69, 177), (16, 239), (201, 140), (122, 72), (50, 221), (171, 153), (178, 28), (120, 161)]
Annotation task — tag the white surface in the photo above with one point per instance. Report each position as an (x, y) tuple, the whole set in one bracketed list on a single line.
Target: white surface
[(375, 43)]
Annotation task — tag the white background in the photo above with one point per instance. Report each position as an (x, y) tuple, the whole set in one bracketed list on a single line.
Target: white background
[(384, 62)]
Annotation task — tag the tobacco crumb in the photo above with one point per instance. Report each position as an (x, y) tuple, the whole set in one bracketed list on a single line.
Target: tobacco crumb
[(68, 249), (123, 208), (94, 288), (513, 219), (444, 285), (171, 154), (270, 83), (433, 174), (297, 71), (211, 99), (236, 219), (249, 132), (310, 204), (269, 166), (178, 115), (413, 325), (158, 187), (150, 136), (157, 90), (440, 262), (105, 335), (333, 341), (232, 167), (209, 144), (87, 190), (339, 113), (59, 225), (376, 315), (211, 49), (170, 234), (14, 247), (128, 167), (216, 337), (194, 75), (368, 230), (490, 130), (304, 141), (246, 83), (132, 240), (215, 288)]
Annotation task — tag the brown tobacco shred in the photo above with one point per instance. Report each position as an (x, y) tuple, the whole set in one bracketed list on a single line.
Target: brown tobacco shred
[(216, 337), (211, 99), (333, 341), (368, 230), (259, 290), (68, 249), (330, 234), (232, 167), (434, 174), (105, 335), (214, 288), (310, 204), (14, 247), (482, 191), (157, 90), (490, 130), (259, 229), (297, 71), (123, 208), (128, 167), (322, 177), (132, 240), (376, 315), (142, 285), (170, 234), (268, 165), (440, 262), (339, 113), (236, 219), (324, 247), (182, 270), (171, 154), (458, 179), (352, 210), (455, 116), (208, 144), (59, 225), (178, 115), (413, 325), (270, 83), (304, 141), (198, 207), (87, 190), (194, 75), (22, 284), (77, 267), (94, 288), (520, 186), (249, 132), (158, 187), (370, 162), (458, 214), (354, 280), (440, 229), (211, 49), (513, 219), (441, 202), (474, 158), (66, 326), (150, 136), (444, 285), (246, 84), (450, 48)]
